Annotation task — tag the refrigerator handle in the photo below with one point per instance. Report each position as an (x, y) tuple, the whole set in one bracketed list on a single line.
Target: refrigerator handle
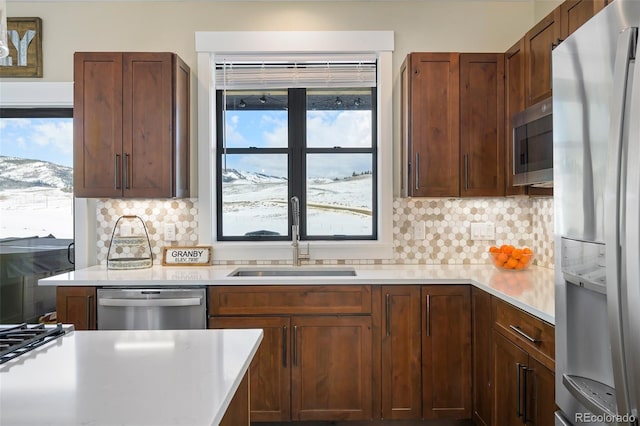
[(632, 245), (612, 209)]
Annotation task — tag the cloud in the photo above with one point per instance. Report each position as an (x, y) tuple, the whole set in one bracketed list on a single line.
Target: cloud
[(54, 134)]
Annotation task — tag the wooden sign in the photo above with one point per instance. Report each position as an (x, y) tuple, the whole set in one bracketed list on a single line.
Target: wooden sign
[(187, 256), (24, 37)]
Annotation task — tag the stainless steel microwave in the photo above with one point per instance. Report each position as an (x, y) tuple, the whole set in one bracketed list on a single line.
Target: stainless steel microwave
[(533, 145)]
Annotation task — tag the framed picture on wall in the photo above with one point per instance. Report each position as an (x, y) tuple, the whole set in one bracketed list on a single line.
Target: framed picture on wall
[(24, 37)]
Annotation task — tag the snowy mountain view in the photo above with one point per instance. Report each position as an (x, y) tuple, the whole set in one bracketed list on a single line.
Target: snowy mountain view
[(36, 198)]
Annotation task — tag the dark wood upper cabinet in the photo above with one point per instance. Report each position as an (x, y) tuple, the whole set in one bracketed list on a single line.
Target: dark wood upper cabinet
[(539, 42), (514, 102), (574, 13), (430, 124), (131, 125), (482, 124)]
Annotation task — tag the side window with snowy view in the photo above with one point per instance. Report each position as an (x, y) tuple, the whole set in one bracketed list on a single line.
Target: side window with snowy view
[(36, 177), (314, 143)]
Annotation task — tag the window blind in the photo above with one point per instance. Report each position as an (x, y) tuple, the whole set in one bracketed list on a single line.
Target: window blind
[(290, 72)]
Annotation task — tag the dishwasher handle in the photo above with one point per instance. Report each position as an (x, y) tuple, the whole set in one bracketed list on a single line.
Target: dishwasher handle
[(149, 303)]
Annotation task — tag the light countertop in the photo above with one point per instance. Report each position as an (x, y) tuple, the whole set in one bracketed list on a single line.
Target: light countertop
[(531, 290), (157, 378)]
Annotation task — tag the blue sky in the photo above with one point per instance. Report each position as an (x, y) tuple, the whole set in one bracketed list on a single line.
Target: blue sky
[(47, 139), (263, 129)]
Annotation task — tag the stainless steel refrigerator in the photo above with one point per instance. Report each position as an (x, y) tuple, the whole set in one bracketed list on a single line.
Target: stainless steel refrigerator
[(596, 137)]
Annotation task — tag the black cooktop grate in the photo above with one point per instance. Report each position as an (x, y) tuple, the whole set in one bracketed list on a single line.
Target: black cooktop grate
[(16, 340)]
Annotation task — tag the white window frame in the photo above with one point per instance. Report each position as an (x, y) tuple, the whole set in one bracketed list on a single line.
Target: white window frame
[(210, 44), (57, 95)]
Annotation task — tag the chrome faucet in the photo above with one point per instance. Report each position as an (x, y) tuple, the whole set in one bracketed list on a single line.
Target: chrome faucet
[(298, 254)]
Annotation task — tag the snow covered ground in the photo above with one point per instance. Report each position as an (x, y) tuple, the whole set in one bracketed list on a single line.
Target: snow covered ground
[(36, 211), (335, 207)]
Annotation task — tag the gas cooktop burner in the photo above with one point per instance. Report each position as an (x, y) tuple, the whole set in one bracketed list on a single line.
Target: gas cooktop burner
[(21, 338)]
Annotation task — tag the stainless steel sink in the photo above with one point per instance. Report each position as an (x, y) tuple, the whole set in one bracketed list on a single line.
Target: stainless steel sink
[(293, 272)]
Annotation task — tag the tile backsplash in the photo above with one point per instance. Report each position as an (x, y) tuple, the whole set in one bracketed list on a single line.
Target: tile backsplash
[(519, 221)]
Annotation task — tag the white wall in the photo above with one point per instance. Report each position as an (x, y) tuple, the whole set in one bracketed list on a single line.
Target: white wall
[(449, 25)]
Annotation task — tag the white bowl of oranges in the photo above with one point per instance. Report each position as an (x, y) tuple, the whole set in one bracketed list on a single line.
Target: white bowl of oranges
[(510, 258)]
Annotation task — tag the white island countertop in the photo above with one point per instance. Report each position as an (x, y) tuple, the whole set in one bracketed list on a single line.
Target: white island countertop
[(185, 377), (531, 290)]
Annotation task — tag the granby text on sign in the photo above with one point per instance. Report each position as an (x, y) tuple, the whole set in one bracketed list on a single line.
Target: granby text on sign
[(24, 36), (192, 256)]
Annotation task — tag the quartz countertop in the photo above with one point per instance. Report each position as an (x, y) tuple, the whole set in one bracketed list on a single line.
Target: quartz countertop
[(531, 290), (185, 377)]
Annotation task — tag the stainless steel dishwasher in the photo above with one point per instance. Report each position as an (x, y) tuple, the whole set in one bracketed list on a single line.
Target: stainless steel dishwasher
[(152, 308)]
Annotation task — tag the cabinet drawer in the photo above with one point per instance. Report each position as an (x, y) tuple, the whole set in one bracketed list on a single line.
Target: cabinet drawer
[(312, 299), (524, 329)]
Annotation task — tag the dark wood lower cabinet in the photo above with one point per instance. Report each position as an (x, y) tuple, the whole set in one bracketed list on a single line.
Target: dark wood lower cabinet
[(331, 367), (482, 365), (508, 363), (446, 351), (270, 384), (524, 388), (401, 350), (541, 391), (77, 305)]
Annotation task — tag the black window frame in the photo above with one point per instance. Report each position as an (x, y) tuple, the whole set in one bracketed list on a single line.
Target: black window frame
[(296, 152)]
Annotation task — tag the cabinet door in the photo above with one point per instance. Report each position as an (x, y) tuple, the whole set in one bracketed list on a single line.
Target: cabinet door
[(574, 13), (482, 124), (482, 372), (509, 361), (446, 351), (331, 372), (514, 103), (97, 124), (540, 385), (431, 124), (147, 124), (270, 371), (539, 41), (401, 387), (77, 306)]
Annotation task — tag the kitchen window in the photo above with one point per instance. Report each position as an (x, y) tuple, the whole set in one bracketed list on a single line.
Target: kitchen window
[(298, 157), (36, 182), (312, 143)]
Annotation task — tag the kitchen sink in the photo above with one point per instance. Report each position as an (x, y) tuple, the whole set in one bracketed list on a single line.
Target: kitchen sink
[(293, 272)]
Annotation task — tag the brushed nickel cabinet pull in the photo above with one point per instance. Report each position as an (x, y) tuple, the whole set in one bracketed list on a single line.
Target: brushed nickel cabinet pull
[(125, 171), (116, 171), (524, 394), (417, 170), (518, 407), (295, 345), (466, 172), (523, 334), (388, 313), (284, 345), (428, 325)]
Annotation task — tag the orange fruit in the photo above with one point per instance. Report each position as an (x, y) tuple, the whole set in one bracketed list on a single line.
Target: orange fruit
[(494, 249), (511, 263), (516, 253), (503, 257), (527, 250)]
